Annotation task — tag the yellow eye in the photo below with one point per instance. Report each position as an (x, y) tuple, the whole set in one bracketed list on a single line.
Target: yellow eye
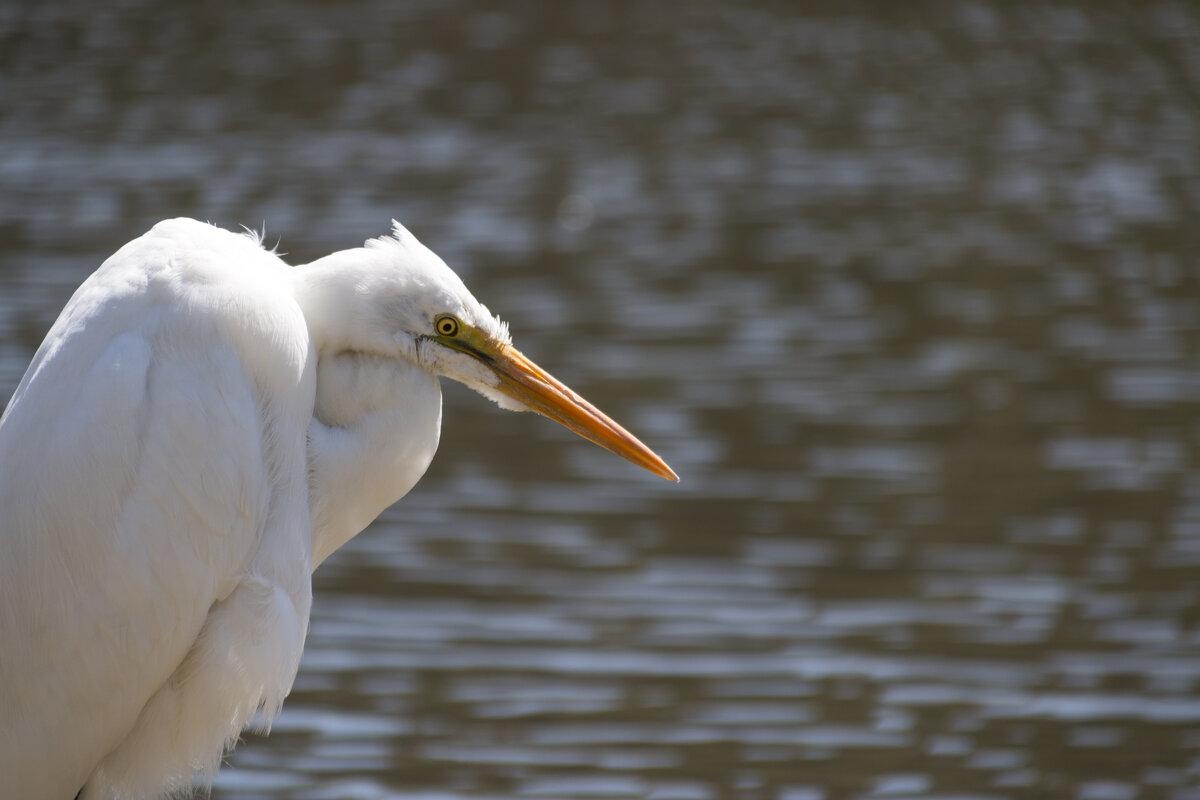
[(447, 326)]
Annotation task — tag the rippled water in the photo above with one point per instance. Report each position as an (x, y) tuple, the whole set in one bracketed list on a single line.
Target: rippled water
[(909, 295)]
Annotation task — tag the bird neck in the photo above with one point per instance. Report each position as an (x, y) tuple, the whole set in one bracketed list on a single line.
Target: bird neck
[(329, 292), (375, 428), (377, 413)]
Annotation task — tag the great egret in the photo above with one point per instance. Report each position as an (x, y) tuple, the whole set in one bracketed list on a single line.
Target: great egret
[(201, 428)]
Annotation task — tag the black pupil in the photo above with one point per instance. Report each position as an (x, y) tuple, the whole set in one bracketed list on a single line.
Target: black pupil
[(447, 326)]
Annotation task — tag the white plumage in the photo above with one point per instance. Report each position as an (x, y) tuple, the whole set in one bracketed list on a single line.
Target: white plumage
[(202, 426)]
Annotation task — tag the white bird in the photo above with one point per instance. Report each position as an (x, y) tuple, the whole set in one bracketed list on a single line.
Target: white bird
[(201, 428)]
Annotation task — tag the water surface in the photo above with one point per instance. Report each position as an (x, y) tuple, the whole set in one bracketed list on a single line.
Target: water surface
[(908, 296)]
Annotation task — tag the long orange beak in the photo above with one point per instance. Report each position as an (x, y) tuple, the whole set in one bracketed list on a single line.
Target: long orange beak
[(533, 387)]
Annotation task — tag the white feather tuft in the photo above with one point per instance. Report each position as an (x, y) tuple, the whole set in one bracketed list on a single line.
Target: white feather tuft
[(430, 270)]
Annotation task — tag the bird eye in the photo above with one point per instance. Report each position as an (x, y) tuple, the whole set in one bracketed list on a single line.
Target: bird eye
[(447, 326)]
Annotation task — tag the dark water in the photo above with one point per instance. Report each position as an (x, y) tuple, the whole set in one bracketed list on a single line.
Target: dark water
[(908, 294)]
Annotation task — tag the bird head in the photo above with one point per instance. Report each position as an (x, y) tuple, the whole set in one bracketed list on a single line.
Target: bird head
[(416, 304)]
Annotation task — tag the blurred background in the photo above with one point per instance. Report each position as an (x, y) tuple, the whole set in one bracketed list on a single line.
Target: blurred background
[(908, 294)]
